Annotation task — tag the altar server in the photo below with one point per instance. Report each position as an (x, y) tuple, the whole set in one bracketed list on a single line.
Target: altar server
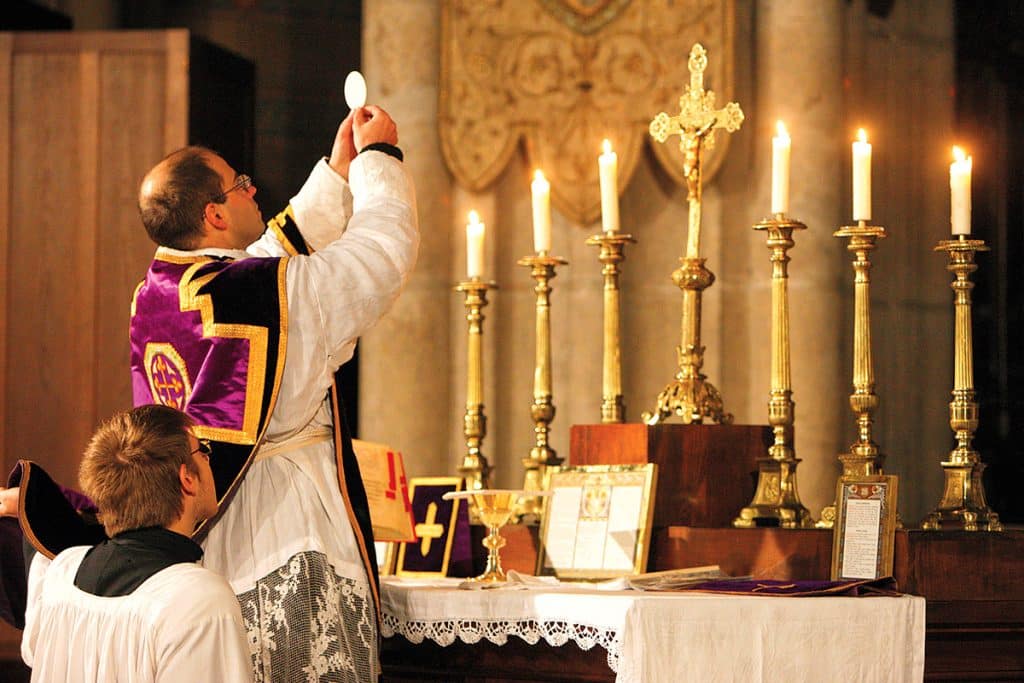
[(138, 607)]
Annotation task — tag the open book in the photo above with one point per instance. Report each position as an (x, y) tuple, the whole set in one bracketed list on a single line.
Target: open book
[(387, 491), (672, 579)]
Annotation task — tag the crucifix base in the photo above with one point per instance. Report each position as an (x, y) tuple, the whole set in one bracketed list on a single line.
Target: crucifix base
[(693, 399)]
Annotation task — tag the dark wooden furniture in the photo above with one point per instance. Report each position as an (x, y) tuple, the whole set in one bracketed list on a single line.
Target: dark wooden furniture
[(706, 473)]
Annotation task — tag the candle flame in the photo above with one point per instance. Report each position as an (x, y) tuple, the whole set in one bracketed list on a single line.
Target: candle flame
[(474, 217), (780, 127), (607, 146), (958, 154), (862, 135), (538, 174)]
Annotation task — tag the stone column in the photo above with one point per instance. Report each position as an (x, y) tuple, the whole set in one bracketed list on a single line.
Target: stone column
[(405, 361)]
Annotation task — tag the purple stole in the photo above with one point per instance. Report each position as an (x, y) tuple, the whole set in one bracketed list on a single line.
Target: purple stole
[(209, 336)]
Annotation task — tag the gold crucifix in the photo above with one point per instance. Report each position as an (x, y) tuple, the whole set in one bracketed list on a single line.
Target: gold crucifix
[(689, 396), (695, 125), (428, 530)]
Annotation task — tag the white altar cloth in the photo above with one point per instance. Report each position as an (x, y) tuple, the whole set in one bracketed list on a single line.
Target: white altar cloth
[(670, 637)]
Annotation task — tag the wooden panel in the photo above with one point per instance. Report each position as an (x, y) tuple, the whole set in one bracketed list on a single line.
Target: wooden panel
[(484, 662), (130, 121), (50, 274), (706, 473), (7, 458), (89, 113)]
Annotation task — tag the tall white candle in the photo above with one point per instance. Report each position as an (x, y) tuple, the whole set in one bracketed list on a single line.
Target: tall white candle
[(608, 163), (474, 246), (780, 170), (861, 177), (960, 192), (541, 212)]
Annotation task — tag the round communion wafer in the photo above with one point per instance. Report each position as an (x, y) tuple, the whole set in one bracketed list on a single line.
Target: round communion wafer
[(355, 90)]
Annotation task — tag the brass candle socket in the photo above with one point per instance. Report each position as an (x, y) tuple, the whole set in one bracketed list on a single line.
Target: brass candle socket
[(612, 253), (475, 469), (963, 503), (776, 501), (542, 268), (864, 457)]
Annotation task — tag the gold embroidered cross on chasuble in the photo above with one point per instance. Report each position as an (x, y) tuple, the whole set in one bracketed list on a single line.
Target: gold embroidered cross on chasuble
[(562, 75)]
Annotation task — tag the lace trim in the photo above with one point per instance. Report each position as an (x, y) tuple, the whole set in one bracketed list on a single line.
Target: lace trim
[(306, 623), (470, 631)]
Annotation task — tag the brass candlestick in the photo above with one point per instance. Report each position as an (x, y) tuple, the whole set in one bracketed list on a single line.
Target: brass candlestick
[(864, 457), (776, 500), (963, 503), (475, 469), (611, 255), (690, 396), (542, 268)]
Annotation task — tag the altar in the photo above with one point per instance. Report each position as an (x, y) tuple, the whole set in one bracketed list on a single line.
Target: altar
[(645, 636)]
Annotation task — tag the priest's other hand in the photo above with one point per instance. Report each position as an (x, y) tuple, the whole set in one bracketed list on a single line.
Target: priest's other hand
[(373, 124), (344, 149), (9, 502)]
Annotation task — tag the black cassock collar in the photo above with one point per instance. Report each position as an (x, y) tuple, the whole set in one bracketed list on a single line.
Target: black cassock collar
[(121, 564)]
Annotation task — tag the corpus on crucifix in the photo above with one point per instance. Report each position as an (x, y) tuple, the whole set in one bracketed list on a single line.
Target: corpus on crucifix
[(690, 396)]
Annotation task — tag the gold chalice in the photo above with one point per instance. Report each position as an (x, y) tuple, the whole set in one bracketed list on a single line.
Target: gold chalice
[(494, 507)]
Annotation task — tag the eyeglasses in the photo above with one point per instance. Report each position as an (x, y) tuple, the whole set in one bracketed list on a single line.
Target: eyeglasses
[(204, 448), (243, 182)]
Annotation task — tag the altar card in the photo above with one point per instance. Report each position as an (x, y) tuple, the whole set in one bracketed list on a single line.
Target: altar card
[(436, 524), (865, 527), (596, 524)]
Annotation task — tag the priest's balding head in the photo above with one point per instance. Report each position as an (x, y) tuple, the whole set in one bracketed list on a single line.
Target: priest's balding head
[(194, 199)]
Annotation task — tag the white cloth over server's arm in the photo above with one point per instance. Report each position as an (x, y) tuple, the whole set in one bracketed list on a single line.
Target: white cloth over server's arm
[(181, 624)]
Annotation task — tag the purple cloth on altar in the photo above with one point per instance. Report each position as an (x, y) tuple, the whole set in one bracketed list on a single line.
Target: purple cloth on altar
[(799, 589)]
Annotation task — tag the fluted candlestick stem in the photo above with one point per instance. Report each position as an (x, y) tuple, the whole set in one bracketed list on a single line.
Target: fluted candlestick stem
[(542, 269), (475, 469)]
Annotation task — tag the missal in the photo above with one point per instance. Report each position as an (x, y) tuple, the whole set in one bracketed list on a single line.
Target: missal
[(387, 491)]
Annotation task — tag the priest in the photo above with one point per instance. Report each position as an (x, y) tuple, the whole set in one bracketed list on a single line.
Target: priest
[(243, 325)]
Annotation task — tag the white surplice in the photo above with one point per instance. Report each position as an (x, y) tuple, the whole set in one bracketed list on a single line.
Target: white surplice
[(181, 624), (285, 542)]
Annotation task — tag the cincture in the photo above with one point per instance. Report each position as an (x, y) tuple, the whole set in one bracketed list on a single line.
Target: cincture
[(310, 434)]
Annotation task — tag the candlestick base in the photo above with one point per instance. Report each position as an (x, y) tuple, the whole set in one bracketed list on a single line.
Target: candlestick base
[(963, 505), (775, 503), (613, 409)]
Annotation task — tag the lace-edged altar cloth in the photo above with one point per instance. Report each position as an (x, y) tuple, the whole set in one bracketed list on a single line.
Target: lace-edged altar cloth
[(654, 637)]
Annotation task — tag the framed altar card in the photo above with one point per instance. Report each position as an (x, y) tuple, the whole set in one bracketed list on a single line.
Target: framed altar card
[(865, 527), (435, 522), (596, 524)]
